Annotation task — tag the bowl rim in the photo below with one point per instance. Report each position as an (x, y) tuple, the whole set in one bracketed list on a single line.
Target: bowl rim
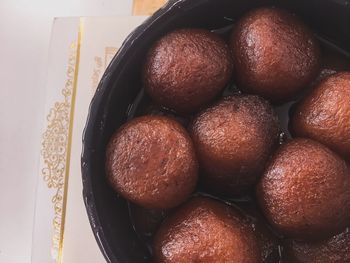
[(101, 94), (87, 138)]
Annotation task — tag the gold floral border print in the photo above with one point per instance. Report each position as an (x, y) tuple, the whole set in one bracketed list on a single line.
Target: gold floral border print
[(56, 146)]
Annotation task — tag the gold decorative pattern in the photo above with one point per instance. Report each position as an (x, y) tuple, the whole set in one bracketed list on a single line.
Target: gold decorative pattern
[(99, 67), (56, 147), (109, 54), (96, 73)]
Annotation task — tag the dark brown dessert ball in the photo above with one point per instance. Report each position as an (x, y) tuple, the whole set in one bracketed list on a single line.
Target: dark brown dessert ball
[(305, 191), (206, 231), (187, 68), (324, 115), (333, 250), (275, 55), (151, 162), (233, 140)]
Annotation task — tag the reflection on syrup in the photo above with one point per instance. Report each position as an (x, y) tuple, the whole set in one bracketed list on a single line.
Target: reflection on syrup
[(146, 221)]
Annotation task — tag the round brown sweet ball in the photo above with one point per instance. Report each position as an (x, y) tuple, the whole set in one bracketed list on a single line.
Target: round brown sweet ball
[(333, 250), (324, 115), (233, 140), (275, 55), (151, 162), (305, 191), (186, 69), (206, 231)]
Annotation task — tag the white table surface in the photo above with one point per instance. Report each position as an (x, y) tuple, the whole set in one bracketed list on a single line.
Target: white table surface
[(25, 27)]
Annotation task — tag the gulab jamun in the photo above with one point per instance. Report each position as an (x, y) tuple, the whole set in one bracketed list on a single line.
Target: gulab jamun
[(186, 69), (305, 191), (205, 230), (233, 140), (332, 250), (151, 162), (324, 115), (275, 55)]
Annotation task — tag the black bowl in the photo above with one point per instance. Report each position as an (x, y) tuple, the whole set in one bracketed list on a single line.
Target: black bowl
[(120, 84)]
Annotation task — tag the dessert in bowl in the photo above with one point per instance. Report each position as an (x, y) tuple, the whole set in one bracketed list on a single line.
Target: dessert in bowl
[(126, 94)]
